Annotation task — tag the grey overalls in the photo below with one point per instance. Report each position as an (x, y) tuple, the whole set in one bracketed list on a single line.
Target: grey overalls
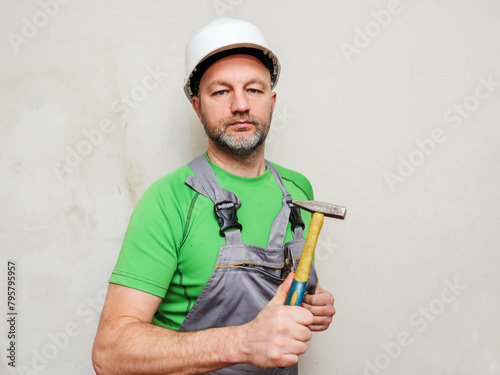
[(245, 277)]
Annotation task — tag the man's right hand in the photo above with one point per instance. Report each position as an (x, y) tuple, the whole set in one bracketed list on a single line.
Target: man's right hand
[(278, 335)]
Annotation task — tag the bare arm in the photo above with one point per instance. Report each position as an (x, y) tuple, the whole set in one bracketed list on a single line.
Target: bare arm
[(127, 342)]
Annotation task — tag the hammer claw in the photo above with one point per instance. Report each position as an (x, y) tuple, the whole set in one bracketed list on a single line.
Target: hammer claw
[(328, 209)]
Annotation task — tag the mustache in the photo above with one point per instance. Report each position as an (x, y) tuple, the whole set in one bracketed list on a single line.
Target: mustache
[(246, 118)]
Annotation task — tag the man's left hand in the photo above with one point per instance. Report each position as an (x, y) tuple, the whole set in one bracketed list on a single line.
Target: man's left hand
[(320, 305)]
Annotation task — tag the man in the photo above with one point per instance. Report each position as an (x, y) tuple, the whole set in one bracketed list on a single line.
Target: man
[(195, 292)]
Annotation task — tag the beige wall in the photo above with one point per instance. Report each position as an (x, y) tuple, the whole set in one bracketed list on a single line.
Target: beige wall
[(390, 108)]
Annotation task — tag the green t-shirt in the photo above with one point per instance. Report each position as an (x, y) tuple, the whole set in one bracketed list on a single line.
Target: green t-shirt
[(172, 241)]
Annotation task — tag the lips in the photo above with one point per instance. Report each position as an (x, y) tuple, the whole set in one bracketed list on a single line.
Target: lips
[(241, 124)]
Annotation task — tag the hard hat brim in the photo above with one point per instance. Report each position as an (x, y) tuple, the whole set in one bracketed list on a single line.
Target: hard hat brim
[(267, 58)]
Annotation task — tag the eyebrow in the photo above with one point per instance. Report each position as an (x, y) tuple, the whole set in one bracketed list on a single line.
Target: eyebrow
[(224, 83), (256, 80), (210, 87)]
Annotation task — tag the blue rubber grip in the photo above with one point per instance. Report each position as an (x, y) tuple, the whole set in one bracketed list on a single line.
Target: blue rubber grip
[(298, 288)]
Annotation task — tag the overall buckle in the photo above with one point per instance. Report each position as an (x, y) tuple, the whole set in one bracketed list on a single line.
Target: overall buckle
[(295, 217), (226, 215)]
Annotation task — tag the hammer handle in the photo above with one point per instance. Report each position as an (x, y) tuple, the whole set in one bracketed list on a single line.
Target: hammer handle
[(298, 288)]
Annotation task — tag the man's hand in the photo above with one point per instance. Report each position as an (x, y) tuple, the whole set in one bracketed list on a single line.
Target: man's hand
[(278, 335), (127, 342), (320, 305)]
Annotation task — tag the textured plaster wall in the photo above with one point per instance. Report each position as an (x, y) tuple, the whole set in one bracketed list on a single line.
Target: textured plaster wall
[(391, 108)]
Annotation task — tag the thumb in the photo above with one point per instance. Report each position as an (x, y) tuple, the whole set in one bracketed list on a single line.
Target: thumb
[(282, 292)]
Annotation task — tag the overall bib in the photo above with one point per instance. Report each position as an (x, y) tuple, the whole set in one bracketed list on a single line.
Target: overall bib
[(245, 277)]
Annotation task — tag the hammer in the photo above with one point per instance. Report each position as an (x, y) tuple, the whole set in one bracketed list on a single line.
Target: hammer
[(319, 210)]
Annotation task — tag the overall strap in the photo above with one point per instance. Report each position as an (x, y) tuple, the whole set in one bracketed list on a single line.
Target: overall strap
[(226, 203), (287, 212)]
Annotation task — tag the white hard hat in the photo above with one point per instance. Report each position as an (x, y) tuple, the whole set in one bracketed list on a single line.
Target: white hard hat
[(222, 37)]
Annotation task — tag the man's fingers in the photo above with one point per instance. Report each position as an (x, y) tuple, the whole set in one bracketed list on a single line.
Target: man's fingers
[(319, 328), (298, 348), (321, 305), (322, 320), (321, 298), (302, 316), (303, 334), (282, 292), (291, 357), (288, 360), (325, 310)]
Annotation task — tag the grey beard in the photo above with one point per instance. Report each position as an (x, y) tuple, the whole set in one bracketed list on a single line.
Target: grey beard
[(241, 146), (237, 144)]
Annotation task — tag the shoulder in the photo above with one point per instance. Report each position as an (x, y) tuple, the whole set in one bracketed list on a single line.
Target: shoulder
[(164, 204), (295, 180), (172, 179), (169, 188)]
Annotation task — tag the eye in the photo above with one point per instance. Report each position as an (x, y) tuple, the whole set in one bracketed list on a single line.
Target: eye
[(220, 92), (254, 91)]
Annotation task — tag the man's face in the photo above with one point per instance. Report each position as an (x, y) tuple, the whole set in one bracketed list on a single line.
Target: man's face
[(235, 103)]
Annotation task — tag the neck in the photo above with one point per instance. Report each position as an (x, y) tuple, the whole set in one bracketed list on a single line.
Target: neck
[(251, 165)]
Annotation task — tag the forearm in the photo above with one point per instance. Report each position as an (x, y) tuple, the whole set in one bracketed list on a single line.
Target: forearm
[(135, 347)]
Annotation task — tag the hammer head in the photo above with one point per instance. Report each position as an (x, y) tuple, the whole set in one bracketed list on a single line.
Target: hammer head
[(328, 209)]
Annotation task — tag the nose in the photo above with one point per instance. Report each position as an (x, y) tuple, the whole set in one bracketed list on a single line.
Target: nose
[(239, 102)]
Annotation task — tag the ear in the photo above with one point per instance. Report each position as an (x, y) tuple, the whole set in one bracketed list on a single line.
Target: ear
[(273, 98), (197, 106)]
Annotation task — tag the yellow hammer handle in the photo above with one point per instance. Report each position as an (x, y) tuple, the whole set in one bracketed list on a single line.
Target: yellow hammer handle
[(302, 274)]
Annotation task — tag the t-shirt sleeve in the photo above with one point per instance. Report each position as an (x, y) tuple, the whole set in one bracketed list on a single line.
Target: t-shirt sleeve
[(298, 181), (304, 185), (148, 257)]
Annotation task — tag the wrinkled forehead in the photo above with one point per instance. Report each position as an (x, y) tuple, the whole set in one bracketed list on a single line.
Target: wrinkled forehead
[(202, 67), (240, 68)]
